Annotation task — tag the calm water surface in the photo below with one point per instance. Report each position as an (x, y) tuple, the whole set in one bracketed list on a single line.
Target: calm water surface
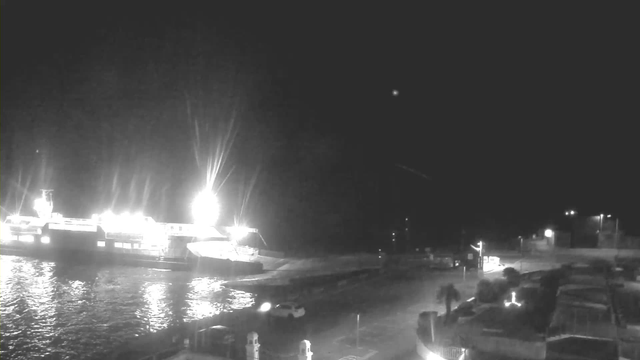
[(69, 311)]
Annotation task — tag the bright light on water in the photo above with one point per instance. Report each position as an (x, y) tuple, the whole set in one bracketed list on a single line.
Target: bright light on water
[(83, 311)]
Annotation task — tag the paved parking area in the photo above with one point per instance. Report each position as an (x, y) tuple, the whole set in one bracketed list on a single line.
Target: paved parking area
[(377, 337)]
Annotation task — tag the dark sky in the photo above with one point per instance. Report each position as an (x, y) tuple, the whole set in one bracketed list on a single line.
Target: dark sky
[(515, 116)]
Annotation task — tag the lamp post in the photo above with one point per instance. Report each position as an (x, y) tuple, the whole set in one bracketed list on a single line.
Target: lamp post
[(570, 214), (615, 238), (615, 257), (601, 219), (551, 239), (521, 250), (407, 234), (616, 235), (479, 250), (550, 234), (263, 312)]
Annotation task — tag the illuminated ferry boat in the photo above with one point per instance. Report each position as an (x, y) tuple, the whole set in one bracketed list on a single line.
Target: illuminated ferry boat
[(134, 239)]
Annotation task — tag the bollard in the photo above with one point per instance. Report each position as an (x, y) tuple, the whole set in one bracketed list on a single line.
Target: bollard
[(426, 325), (305, 350), (253, 347)]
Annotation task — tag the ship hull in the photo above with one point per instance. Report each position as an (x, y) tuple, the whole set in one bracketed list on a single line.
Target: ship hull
[(92, 247)]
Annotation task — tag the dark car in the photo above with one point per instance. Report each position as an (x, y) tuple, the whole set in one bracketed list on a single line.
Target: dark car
[(218, 340), (222, 334)]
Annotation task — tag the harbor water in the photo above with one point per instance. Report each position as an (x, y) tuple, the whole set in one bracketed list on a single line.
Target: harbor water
[(71, 310)]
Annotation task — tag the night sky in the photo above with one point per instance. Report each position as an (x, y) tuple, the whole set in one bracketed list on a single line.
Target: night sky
[(514, 119)]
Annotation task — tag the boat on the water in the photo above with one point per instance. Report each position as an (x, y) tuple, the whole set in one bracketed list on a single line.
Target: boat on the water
[(138, 240), (130, 239)]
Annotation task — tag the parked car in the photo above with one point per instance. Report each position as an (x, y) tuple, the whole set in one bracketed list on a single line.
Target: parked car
[(222, 335), (218, 340), (289, 310)]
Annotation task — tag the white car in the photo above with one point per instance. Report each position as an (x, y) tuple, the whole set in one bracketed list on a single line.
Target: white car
[(287, 310)]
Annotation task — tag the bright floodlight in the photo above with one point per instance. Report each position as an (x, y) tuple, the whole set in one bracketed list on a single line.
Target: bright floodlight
[(205, 209), (43, 208), (238, 232), (548, 233), (572, 212), (609, 215), (265, 307)]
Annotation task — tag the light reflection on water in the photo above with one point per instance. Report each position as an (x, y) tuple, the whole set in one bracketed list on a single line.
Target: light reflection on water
[(59, 311)]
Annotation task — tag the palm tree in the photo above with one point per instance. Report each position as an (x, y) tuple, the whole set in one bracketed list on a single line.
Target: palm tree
[(485, 291), (512, 275), (448, 293)]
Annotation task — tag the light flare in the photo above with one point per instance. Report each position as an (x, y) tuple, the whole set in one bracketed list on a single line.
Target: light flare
[(205, 209), (217, 153), (265, 307), (237, 233)]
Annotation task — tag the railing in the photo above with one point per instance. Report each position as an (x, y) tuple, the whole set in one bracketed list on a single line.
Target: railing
[(203, 344), (164, 354)]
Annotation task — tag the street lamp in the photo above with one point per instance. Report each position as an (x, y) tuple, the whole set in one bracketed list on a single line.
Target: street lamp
[(406, 233), (602, 220), (521, 239), (616, 231), (571, 214), (550, 234), (479, 250)]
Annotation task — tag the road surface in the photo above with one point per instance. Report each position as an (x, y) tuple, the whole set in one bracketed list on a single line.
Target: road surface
[(388, 308)]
